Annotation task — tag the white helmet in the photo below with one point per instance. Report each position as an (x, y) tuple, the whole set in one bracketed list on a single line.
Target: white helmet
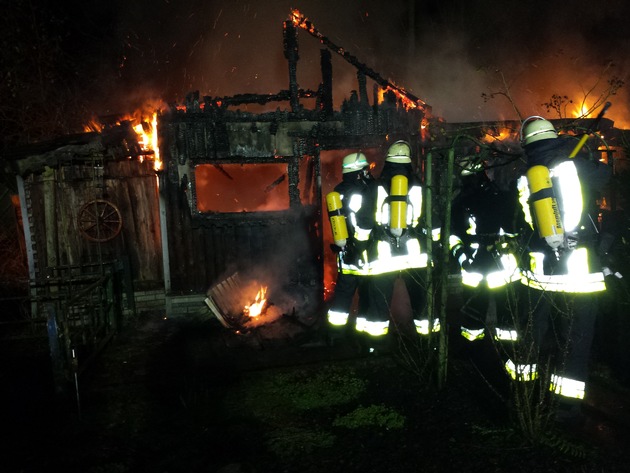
[(354, 162), (536, 128), (399, 152)]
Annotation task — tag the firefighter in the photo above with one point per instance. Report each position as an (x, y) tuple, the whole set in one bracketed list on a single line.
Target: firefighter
[(350, 244), (564, 273), (396, 246), (484, 228)]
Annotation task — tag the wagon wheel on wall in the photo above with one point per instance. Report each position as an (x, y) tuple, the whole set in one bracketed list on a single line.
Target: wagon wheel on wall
[(99, 220)]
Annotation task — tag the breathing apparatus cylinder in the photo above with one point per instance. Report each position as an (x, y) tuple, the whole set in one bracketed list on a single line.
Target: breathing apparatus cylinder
[(398, 205), (337, 219), (545, 211)]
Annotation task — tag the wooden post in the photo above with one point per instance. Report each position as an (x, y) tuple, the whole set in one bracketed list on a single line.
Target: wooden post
[(51, 217), (291, 53), (28, 242), (446, 230)]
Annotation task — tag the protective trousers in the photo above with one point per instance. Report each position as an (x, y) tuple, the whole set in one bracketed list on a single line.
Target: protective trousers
[(561, 330), (345, 288), (382, 291)]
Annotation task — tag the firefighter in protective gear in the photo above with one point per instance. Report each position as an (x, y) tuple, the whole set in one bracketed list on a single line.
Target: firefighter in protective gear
[(350, 244), (484, 229), (562, 280), (396, 247)]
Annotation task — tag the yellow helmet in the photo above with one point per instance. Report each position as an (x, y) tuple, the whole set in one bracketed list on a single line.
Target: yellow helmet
[(536, 128), (354, 162), (399, 152)]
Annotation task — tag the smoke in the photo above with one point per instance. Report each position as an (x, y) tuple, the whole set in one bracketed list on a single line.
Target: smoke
[(454, 55)]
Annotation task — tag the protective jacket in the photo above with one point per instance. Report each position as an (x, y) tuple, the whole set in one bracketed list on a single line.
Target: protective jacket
[(571, 271), (396, 253), (352, 258), (574, 267)]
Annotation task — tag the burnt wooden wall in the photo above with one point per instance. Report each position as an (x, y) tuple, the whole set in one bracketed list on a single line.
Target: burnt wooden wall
[(129, 184), (281, 246)]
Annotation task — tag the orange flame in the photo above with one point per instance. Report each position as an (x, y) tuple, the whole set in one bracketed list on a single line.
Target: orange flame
[(498, 134), (255, 309), (301, 21), (582, 111), (144, 123), (405, 101), (148, 139)]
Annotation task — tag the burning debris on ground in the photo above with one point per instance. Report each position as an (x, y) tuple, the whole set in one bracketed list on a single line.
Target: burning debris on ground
[(246, 309)]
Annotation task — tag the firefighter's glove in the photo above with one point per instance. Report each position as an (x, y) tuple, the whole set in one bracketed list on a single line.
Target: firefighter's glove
[(570, 242), (609, 273), (608, 266), (613, 280)]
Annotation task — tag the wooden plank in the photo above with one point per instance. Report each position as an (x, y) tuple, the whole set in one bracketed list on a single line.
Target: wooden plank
[(232, 299), (217, 297), (217, 313)]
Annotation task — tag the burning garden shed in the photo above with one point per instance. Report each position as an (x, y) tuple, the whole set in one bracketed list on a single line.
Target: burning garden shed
[(176, 202), (243, 190)]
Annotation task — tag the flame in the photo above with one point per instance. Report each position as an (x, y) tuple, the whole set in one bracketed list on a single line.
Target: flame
[(498, 134), (582, 111), (93, 126), (144, 123), (404, 100), (255, 308), (148, 139), (300, 20)]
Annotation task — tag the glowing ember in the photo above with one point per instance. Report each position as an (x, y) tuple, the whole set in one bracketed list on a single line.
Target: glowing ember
[(256, 308)]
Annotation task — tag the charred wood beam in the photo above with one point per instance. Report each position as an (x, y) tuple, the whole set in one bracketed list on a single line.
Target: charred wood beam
[(239, 159), (117, 142), (291, 53), (304, 23), (327, 87), (223, 171), (275, 183), (294, 180), (261, 99), (363, 96)]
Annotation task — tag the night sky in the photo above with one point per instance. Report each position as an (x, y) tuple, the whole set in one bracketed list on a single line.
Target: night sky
[(448, 53)]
